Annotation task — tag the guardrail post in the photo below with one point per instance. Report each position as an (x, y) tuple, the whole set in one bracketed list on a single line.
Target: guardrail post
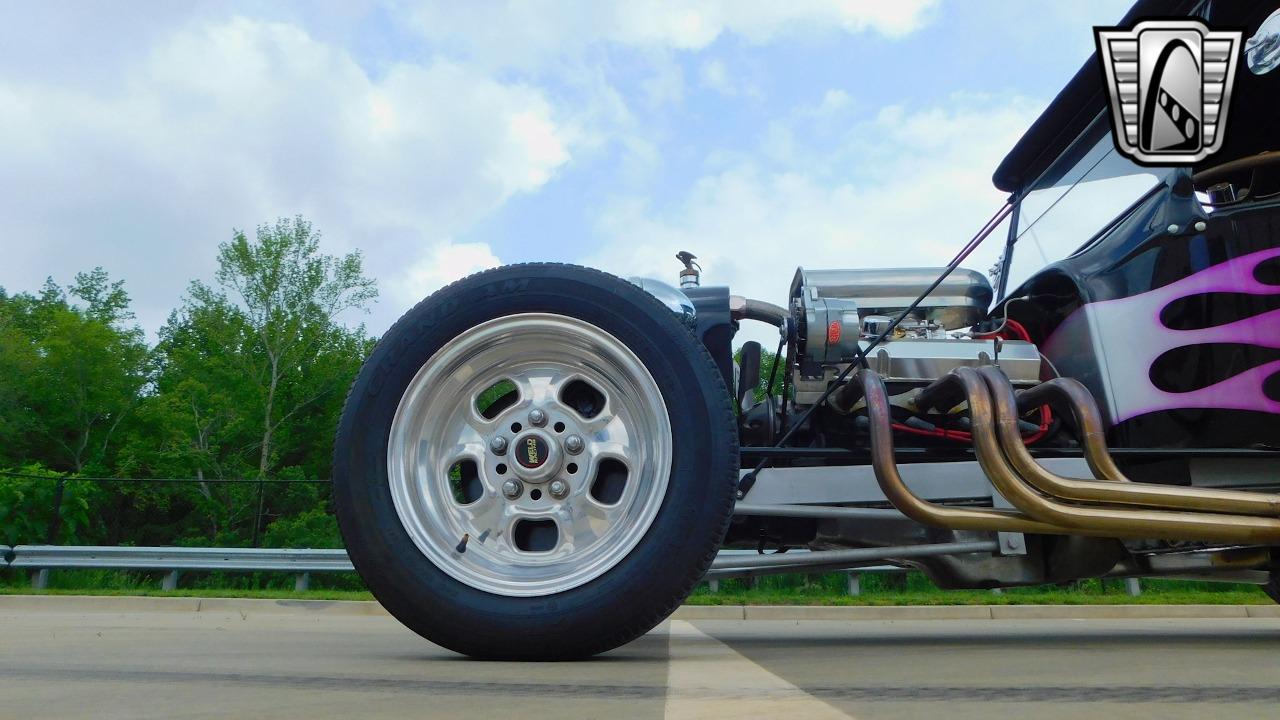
[(855, 584), (302, 582), (40, 579), (1133, 586), (714, 585), (170, 581)]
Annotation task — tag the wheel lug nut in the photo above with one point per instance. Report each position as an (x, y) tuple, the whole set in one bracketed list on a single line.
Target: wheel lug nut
[(574, 444), (537, 417), (558, 488), (512, 489), (498, 445)]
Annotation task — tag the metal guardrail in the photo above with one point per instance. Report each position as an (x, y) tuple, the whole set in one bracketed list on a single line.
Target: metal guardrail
[(180, 558), (176, 560)]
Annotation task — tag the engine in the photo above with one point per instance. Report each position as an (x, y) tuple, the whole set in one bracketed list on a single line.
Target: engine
[(835, 312)]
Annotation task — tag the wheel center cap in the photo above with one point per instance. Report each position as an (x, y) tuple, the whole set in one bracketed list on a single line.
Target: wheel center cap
[(536, 456), (532, 451)]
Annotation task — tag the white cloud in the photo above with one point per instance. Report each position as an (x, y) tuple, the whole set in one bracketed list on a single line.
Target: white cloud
[(833, 103), (716, 75), (230, 123), (524, 32), (444, 263), (921, 188)]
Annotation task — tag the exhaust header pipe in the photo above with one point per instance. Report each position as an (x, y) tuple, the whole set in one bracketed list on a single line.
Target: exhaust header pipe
[(1105, 521), (890, 480), (1044, 500), (1007, 408)]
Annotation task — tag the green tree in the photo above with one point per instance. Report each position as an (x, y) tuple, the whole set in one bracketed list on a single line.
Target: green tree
[(27, 507), (276, 308), (767, 361), (73, 374)]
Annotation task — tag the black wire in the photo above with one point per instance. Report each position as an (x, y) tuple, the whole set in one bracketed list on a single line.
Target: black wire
[(860, 359), (786, 385), (773, 371)]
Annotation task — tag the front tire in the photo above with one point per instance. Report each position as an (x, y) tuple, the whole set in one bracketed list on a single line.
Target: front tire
[(568, 517)]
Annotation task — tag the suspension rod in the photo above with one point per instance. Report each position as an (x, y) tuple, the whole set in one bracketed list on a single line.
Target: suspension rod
[(857, 555)]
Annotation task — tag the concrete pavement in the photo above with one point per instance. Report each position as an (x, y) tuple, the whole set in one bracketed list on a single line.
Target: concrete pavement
[(156, 659)]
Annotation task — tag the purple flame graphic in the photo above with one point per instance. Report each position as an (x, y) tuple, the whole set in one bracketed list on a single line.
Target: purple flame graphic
[(1128, 335)]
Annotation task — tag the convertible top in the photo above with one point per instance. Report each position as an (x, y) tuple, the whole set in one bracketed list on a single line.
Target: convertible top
[(1073, 109)]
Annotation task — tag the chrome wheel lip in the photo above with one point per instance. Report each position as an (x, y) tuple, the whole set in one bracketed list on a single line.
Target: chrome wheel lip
[(436, 423)]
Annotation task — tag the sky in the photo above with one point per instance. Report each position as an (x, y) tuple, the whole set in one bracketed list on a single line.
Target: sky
[(443, 138)]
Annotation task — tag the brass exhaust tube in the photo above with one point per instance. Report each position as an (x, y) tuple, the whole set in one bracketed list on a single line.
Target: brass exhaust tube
[(891, 483), (1234, 502), (1093, 438), (1096, 521)]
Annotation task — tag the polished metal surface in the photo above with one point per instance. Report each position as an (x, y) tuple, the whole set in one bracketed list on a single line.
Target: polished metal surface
[(674, 298), (920, 510), (1089, 426), (171, 559), (841, 484), (960, 301), (1093, 521), (925, 360), (437, 425), (180, 558), (834, 329), (857, 555), (729, 572), (814, 511), (1114, 488)]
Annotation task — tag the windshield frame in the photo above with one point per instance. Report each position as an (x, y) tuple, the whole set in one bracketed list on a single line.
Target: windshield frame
[(1069, 160)]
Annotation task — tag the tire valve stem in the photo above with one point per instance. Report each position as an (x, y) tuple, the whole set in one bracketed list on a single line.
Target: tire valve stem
[(462, 546)]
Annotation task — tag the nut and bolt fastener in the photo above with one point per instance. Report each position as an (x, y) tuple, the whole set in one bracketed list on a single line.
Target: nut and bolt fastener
[(512, 489), (537, 417), (574, 444), (558, 488), (498, 445)]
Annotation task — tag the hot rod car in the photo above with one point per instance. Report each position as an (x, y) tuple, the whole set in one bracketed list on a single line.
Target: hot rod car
[(541, 461)]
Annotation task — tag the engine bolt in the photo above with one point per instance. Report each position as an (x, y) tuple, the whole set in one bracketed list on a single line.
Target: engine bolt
[(512, 489), (498, 445), (558, 488), (537, 417), (574, 444)]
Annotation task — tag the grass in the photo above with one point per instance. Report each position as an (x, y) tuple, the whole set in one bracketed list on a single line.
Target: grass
[(829, 589), (259, 593), (978, 597), (913, 588)]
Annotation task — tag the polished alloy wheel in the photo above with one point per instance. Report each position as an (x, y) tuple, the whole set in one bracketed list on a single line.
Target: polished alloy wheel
[(529, 455)]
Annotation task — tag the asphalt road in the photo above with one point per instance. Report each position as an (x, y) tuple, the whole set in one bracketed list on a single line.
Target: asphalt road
[(313, 665)]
